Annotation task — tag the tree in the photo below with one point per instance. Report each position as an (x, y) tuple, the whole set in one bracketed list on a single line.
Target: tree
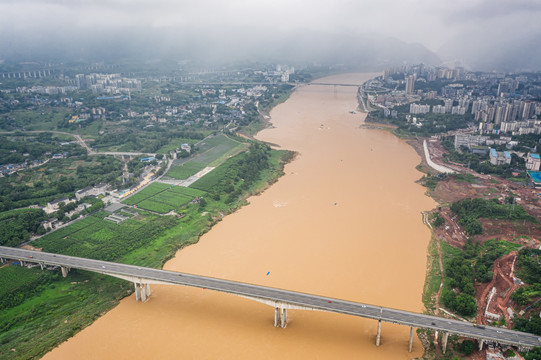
[(467, 347), (202, 203)]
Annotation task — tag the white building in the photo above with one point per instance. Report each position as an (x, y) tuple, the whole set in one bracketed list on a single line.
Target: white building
[(533, 161)]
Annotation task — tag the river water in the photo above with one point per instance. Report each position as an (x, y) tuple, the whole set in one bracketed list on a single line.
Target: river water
[(345, 221)]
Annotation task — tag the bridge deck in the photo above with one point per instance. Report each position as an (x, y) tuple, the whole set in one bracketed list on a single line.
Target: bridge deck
[(150, 275)]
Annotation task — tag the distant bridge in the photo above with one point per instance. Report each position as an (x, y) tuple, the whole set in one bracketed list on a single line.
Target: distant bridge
[(281, 300), (322, 83)]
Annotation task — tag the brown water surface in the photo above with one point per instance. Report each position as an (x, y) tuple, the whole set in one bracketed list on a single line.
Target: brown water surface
[(345, 221)]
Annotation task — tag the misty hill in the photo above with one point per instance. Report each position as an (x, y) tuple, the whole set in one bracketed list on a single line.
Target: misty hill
[(211, 46), (505, 52)]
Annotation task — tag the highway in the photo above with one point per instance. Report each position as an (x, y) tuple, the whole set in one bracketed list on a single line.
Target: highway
[(310, 301)]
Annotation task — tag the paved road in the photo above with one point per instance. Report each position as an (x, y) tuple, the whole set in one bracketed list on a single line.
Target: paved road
[(486, 333)]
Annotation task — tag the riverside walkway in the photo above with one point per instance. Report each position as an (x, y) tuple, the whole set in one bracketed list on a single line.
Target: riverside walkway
[(281, 300)]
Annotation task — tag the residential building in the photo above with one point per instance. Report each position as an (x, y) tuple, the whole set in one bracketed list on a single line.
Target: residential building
[(533, 161), (499, 157)]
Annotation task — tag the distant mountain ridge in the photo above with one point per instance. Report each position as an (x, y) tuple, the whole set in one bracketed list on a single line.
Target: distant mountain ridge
[(368, 52), (506, 52)]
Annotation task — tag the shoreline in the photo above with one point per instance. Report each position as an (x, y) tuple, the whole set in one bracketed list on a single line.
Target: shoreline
[(258, 198), (446, 190)]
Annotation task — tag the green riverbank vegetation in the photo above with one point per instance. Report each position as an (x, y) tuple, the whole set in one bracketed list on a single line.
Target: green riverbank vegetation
[(40, 309)]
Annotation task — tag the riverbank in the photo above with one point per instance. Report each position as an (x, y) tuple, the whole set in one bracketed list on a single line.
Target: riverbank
[(55, 309), (489, 252), (322, 228)]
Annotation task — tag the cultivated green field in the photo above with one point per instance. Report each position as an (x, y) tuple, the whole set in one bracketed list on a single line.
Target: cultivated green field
[(92, 237), (146, 193), (210, 180), (162, 198), (212, 151), (184, 171), (51, 309)]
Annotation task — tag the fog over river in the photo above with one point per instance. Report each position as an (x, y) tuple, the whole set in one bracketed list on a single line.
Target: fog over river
[(345, 221)]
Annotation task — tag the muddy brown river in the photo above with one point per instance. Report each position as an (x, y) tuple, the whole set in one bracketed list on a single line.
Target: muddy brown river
[(345, 221)]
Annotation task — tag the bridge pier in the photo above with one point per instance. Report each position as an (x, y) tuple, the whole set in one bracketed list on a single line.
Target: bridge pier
[(65, 270), (280, 317), (481, 342), (142, 292), (444, 342), (2, 260), (378, 335), (41, 265), (283, 319), (410, 345)]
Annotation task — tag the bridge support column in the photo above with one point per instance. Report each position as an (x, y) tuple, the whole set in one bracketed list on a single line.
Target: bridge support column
[(410, 345), (64, 271), (143, 292), (378, 335), (444, 342), (283, 318), (2, 260), (21, 262), (276, 316), (481, 342)]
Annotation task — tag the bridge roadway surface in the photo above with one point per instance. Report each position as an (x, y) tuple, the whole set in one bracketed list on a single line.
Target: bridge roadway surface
[(309, 301)]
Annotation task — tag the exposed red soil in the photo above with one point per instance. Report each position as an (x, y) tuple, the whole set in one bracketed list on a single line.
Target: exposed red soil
[(503, 281), (521, 232)]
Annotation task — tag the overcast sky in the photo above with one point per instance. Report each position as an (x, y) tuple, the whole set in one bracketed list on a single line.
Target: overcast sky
[(430, 22)]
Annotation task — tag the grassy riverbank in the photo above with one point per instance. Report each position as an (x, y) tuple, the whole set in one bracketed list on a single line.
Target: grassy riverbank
[(42, 309)]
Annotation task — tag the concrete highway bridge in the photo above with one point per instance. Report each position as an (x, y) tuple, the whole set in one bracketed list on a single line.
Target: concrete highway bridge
[(281, 300), (321, 83)]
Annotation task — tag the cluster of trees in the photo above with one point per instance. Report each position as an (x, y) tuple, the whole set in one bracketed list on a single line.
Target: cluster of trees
[(470, 210), (24, 286), (473, 264), (15, 193), (532, 325), (437, 220), (13, 148), (458, 293), (126, 239), (270, 97), (149, 140), (529, 270), (16, 226), (245, 169), (103, 169)]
